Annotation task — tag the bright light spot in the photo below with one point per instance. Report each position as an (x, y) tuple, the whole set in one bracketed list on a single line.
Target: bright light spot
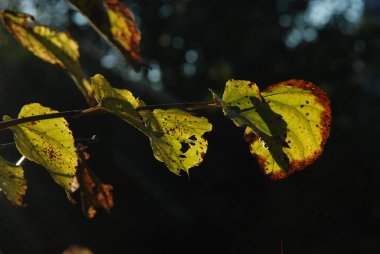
[(61, 7), (166, 10), (29, 7), (18, 163), (132, 75), (189, 69), (294, 38), (318, 14), (309, 34), (154, 74), (109, 61), (191, 56), (178, 42), (355, 13), (79, 19)]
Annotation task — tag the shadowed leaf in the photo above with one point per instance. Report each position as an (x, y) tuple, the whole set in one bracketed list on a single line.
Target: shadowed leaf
[(118, 101), (49, 45), (49, 143), (287, 125), (114, 21), (12, 182), (94, 194), (175, 135)]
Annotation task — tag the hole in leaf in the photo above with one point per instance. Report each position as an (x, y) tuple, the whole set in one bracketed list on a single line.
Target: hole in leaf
[(193, 137), (184, 147)]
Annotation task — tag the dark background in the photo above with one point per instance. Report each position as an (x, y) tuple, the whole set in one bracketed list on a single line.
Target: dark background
[(228, 205)]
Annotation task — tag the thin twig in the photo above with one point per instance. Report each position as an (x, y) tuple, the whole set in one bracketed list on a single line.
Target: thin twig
[(71, 113), (91, 140), (187, 106), (98, 109)]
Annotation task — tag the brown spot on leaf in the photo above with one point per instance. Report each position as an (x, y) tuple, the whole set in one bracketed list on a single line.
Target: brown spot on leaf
[(128, 44), (94, 193), (250, 137), (324, 126)]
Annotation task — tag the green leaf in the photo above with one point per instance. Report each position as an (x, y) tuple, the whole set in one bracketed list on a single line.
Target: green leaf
[(49, 45), (12, 182), (114, 21), (175, 135), (118, 102), (49, 143), (287, 125), (177, 138)]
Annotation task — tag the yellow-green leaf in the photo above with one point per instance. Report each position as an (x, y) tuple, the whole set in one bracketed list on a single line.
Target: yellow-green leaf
[(114, 21), (177, 138), (175, 135), (12, 182), (287, 125), (118, 101), (49, 45), (49, 143)]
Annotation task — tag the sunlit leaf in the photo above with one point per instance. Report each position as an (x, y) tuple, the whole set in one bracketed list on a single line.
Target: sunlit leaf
[(94, 194), (118, 101), (287, 125), (114, 22), (49, 45), (49, 143), (175, 136), (12, 182)]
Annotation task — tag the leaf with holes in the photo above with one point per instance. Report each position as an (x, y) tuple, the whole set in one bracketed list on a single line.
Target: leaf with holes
[(49, 45), (287, 125), (12, 182), (114, 21), (176, 136), (49, 143)]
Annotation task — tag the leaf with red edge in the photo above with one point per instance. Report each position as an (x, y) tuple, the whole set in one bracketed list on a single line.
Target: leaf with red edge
[(115, 22), (287, 124)]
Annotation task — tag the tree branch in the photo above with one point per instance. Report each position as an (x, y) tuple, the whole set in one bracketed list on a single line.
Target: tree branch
[(187, 106), (98, 109)]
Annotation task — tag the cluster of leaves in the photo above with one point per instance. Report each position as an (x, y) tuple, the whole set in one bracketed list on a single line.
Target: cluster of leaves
[(286, 125)]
